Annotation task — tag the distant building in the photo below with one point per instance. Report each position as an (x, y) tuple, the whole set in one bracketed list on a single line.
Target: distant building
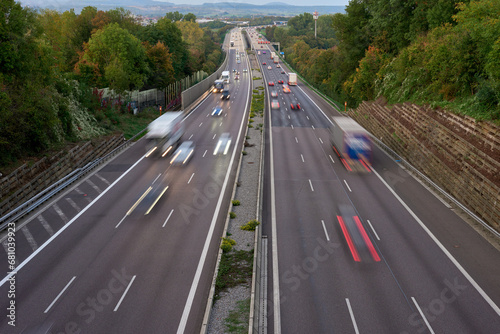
[(279, 23)]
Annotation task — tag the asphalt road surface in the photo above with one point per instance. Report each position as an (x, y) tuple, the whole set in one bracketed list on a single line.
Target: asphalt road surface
[(132, 248), (371, 252)]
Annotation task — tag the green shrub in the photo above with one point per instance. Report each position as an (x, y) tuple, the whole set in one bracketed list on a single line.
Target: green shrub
[(227, 244), (250, 226), (232, 215), (244, 152), (235, 201)]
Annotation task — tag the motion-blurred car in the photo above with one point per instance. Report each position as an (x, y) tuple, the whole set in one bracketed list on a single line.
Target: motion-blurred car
[(223, 144), (264, 63), (282, 72), (275, 104), (264, 52), (286, 89), (270, 83), (217, 111), (274, 93), (295, 105), (183, 153), (234, 70), (236, 77), (269, 67), (245, 70), (280, 82), (278, 65)]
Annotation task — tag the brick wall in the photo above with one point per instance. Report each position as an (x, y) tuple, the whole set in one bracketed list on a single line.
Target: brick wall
[(458, 153)]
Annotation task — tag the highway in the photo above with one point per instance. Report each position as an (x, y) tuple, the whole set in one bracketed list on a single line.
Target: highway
[(371, 252), (132, 248)]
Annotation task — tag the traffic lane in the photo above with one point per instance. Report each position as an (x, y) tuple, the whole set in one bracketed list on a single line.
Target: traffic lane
[(404, 242), (94, 239), (302, 225)]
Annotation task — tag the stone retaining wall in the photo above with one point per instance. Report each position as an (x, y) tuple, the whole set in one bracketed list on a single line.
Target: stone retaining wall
[(458, 153)]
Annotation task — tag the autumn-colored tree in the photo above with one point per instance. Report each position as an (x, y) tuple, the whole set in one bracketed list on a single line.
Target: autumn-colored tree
[(160, 62)]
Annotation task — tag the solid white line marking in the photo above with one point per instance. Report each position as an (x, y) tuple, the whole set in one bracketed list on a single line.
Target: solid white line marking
[(93, 185), (156, 178), (205, 153), (46, 225), (376, 235), (124, 293), (73, 204), (324, 228), (312, 126), (302, 158), (288, 116), (190, 178), (215, 135), (29, 258), (320, 140), (59, 295), (166, 220), (347, 186), (60, 213), (310, 183), (352, 316), (292, 126), (30, 238), (331, 158), (296, 140), (422, 315), (445, 251), (200, 124), (102, 179), (220, 124), (190, 137)]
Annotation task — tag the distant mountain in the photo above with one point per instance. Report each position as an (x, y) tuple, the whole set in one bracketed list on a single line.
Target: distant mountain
[(159, 8)]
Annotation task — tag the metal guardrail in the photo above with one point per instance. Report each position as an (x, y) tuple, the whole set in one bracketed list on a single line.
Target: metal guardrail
[(40, 198)]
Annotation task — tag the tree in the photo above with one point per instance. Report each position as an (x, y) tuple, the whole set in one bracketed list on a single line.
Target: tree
[(118, 58), (174, 16), (190, 17), (169, 34), (160, 62)]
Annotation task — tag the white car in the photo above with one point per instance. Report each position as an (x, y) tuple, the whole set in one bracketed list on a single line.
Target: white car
[(183, 153), (223, 144), (245, 70)]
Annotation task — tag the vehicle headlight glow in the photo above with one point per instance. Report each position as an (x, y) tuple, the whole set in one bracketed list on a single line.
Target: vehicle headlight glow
[(175, 157), (165, 153)]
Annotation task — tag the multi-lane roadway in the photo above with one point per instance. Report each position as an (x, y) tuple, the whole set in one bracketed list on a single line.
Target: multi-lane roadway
[(132, 248), (363, 252)]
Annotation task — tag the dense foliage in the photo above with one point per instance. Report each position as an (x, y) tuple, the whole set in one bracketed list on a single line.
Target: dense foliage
[(440, 52), (51, 63)]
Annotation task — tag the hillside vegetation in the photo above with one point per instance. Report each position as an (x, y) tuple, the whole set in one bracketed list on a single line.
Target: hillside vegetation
[(51, 63), (442, 52)]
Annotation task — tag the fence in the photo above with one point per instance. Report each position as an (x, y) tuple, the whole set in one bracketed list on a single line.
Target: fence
[(168, 97)]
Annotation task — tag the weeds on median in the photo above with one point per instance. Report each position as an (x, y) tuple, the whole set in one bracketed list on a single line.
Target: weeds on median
[(235, 268), (237, 321)]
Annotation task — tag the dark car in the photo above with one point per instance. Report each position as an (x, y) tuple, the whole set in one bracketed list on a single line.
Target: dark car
[(295, 106), (225, 95), (271, 83), (280, 82)]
